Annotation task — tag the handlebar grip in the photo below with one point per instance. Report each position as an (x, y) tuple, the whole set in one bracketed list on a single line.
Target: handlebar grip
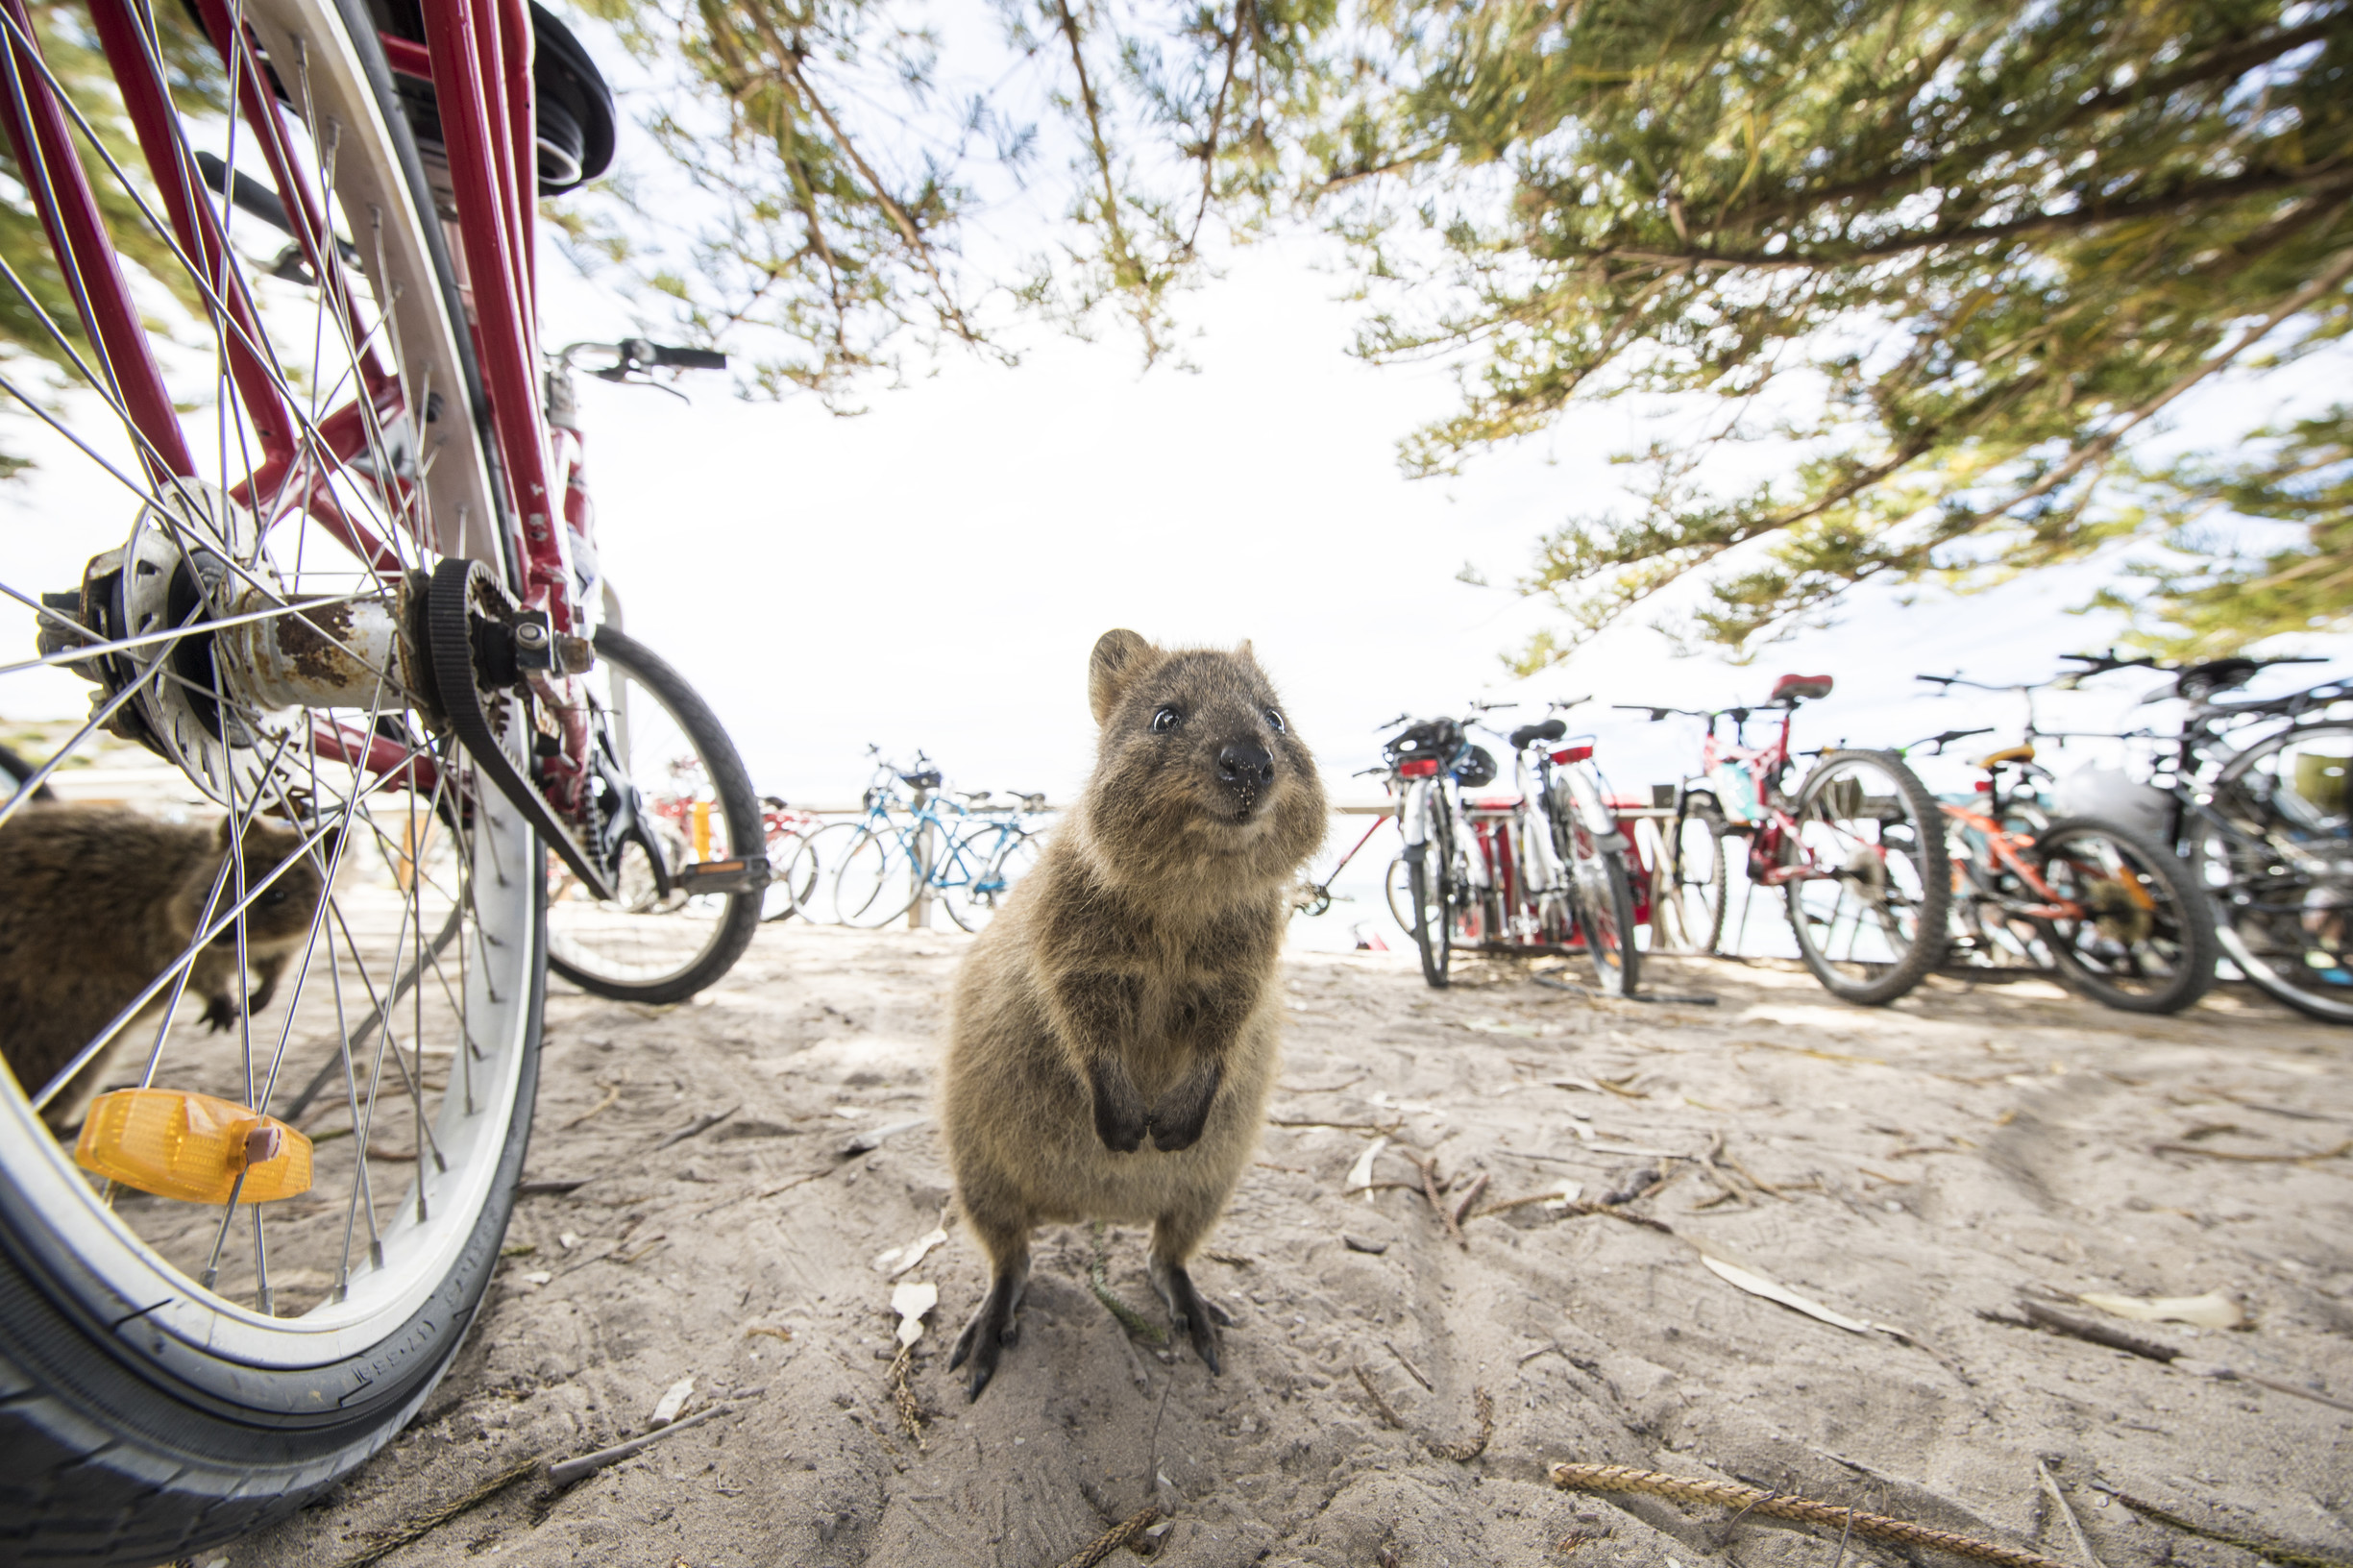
[(689, 358)]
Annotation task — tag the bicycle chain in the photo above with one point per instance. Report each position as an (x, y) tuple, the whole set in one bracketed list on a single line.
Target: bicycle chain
[(449, 616)]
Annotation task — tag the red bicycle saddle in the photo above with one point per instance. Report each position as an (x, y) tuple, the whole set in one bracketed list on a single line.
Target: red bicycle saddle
[(1793, 688)]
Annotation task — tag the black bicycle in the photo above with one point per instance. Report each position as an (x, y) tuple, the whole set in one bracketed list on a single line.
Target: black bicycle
[(2254, 791)]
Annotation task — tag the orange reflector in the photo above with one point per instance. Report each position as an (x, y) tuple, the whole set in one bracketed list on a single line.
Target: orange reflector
[(192, 1147), (703, 829)]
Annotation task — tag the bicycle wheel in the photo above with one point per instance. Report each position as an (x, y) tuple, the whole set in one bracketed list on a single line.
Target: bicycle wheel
[(974, 903), (359, 952), (1869, 886), (1604, 899), (807, 878), (2145, 943), (778, 901), (2275, 856), (1690, 906), (660, 942), (1431, 889), (878, 878)]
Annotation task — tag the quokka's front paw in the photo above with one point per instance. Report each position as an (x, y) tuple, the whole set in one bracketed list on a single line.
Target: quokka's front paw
[(221, 1014), (1181, 1132), (1120, 1127)]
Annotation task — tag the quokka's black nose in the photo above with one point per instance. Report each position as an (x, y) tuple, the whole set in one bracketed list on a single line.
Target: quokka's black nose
[(1249, 765)]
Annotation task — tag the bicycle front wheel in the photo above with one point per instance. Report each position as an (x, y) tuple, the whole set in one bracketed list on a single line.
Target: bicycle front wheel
[(307, 909), (878, 878), (1869, 885), (659, 941), (1605, 898), (2144, 941), (1431, 889), (2276, 859), (1689, 908)]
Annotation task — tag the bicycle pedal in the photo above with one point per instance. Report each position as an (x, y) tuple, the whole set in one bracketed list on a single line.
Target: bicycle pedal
[(192, 1147)]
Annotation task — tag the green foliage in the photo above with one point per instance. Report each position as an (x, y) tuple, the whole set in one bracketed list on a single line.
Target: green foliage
[(1952, 257), (2213, 595), (39, 322)]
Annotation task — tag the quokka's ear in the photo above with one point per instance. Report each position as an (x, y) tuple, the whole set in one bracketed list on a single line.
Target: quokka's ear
[(1244, 653), (1118, 658), (222, 839)]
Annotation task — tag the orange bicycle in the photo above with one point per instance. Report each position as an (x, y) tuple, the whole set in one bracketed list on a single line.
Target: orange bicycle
[(2113, 916)]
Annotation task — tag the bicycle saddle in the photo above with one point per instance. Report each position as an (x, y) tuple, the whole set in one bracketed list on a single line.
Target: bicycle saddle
[(2008, 753), (928, 779), (1801, 688), (1527, 735)]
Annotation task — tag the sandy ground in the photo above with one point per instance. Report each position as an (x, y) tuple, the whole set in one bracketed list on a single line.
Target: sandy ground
[(1915, 1167)]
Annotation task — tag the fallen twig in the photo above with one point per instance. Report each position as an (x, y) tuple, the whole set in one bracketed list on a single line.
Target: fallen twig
[(1114, 1538), (433, 1519), (1343, 1126), (1381, 1403), (1462, 1207), (2263, 1546), (1430, 1189), (612, 1092), (2115, 1338), (1411, 1371), (551, 1186), (697, 1127), (588, 1464), (2340, 1150), (2066, 1512), (2098, 1333), (1618, 1478), (1464, 1453)]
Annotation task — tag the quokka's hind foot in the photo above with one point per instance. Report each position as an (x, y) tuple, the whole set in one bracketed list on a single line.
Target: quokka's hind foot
[(994, 1327), (1190, 1313)]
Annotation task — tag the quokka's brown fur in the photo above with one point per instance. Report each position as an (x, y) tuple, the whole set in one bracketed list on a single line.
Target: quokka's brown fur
[(95, 902), (1116, 1027)]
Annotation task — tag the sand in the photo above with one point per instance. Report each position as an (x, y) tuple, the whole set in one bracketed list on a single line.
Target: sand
[(1915, 1169)]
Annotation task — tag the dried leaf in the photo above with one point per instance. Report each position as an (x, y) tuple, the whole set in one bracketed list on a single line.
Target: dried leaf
[(911, 1301), (1361, 1174), (2211, 1310), (1756, 1284), (899, 1260)]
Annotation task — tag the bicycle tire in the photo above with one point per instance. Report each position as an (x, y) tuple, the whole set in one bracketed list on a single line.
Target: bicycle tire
[(1605, 898), (145, 1415), (591, 956), (877, 881), (776, 901), (1695, 893), (1429, 881), (2272, 918), (2174, 928), (1918, 847), (808, 875)]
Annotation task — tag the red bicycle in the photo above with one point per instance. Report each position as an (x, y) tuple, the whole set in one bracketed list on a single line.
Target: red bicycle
[(1857, 849), (314, 528)]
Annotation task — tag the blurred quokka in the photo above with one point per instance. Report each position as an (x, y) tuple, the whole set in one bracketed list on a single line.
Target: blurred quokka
[(96, 902), (1116, 1027)]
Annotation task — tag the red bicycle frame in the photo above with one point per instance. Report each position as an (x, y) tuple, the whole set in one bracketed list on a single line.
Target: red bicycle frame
[(478, 55)]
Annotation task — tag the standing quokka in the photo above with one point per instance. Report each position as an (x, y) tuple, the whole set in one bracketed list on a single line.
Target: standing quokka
[(1116, 1027), (96, 902)]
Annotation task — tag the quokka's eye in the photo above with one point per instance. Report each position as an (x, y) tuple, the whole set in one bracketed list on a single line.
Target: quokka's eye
[(1274, 720), (1167, 718)]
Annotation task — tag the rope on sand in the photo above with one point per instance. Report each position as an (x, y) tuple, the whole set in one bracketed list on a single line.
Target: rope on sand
[(1731, 1494), (1114, 1538)]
